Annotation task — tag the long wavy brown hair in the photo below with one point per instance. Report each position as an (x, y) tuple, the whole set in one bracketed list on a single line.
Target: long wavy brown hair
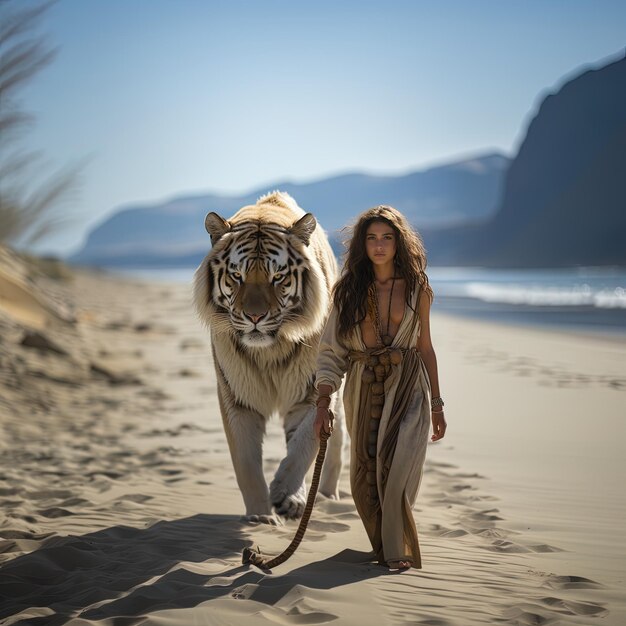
[(350, 291)]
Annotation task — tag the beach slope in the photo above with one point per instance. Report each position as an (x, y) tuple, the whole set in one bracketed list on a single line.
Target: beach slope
[(118, 501)]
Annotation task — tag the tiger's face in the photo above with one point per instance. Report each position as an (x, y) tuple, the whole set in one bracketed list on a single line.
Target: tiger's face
[(259, 276)]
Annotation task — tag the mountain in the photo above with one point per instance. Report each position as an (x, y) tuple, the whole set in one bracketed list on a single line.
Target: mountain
[(173, 233), (564, 200)]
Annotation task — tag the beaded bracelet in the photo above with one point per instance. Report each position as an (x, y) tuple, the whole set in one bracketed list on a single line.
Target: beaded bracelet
[(435, 402)]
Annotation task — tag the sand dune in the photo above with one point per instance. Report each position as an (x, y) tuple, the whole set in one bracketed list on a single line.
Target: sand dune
[(119, 505)]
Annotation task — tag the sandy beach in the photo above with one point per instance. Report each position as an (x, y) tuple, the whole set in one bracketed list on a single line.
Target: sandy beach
[(119, 506)]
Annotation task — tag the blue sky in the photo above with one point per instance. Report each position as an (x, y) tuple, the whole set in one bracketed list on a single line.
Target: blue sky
[(169, 97)]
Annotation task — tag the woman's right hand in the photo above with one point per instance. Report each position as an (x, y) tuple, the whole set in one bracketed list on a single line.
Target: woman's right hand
[(323, 419)]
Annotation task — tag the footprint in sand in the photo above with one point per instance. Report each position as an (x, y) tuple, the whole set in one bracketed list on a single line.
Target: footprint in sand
[(44, 494), (461, 487), (74, 501), (135, 497), (571, 582), (336, 507), (467, 475), (192, 344), (550, 610), (508, 547), (347, 516), (188, 373), (441, 465), (574, 608), (453, 533), (498, 533), (528, 615), (54, 512), (544, 547), (328, 527), (488, 515)]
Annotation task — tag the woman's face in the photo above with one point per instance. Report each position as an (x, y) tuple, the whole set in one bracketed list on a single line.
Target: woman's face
[(380, 243)]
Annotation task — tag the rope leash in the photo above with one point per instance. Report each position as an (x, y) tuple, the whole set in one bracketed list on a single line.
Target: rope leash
[(254, 556)]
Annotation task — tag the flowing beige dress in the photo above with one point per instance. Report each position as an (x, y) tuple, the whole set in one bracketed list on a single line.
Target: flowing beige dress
[(387, 457)]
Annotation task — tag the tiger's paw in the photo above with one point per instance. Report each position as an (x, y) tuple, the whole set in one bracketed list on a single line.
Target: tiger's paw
[(271, 519), (289, 505)]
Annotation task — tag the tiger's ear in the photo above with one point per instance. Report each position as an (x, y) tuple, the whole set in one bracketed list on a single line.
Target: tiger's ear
[(304, 227), (216, 226)]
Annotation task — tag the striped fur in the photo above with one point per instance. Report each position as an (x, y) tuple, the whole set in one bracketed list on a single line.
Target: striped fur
[(264, 292)]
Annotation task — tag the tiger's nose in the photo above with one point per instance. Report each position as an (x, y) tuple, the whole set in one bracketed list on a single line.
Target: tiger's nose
[(255, 317)]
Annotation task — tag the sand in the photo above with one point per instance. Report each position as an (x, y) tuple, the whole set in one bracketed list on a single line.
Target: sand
[(118, 502)]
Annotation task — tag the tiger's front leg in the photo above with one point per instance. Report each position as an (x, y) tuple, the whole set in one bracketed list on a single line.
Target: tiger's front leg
[(245, 430), (288, 489)]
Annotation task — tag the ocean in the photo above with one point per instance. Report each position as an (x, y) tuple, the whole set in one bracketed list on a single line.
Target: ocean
[(585, 300)]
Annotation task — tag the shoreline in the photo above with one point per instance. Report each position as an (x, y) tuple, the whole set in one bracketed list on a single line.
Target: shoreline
[(617, 334), (609, 323), (119, 499)]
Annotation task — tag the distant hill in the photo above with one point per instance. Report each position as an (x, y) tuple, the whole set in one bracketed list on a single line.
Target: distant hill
[(172, 233), (564, 200)]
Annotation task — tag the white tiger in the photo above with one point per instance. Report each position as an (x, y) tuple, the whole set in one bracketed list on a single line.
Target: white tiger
[(264, 291)]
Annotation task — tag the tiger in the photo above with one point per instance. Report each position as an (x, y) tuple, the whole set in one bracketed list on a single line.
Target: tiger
[(264, 291)]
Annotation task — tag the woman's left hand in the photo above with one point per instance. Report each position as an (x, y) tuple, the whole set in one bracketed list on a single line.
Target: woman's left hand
[(439, 425)]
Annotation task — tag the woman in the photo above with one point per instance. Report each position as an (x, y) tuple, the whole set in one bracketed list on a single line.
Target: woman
[(378, 332)]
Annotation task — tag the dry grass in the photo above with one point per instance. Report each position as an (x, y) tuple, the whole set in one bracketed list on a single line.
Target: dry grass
[(30, 209)]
